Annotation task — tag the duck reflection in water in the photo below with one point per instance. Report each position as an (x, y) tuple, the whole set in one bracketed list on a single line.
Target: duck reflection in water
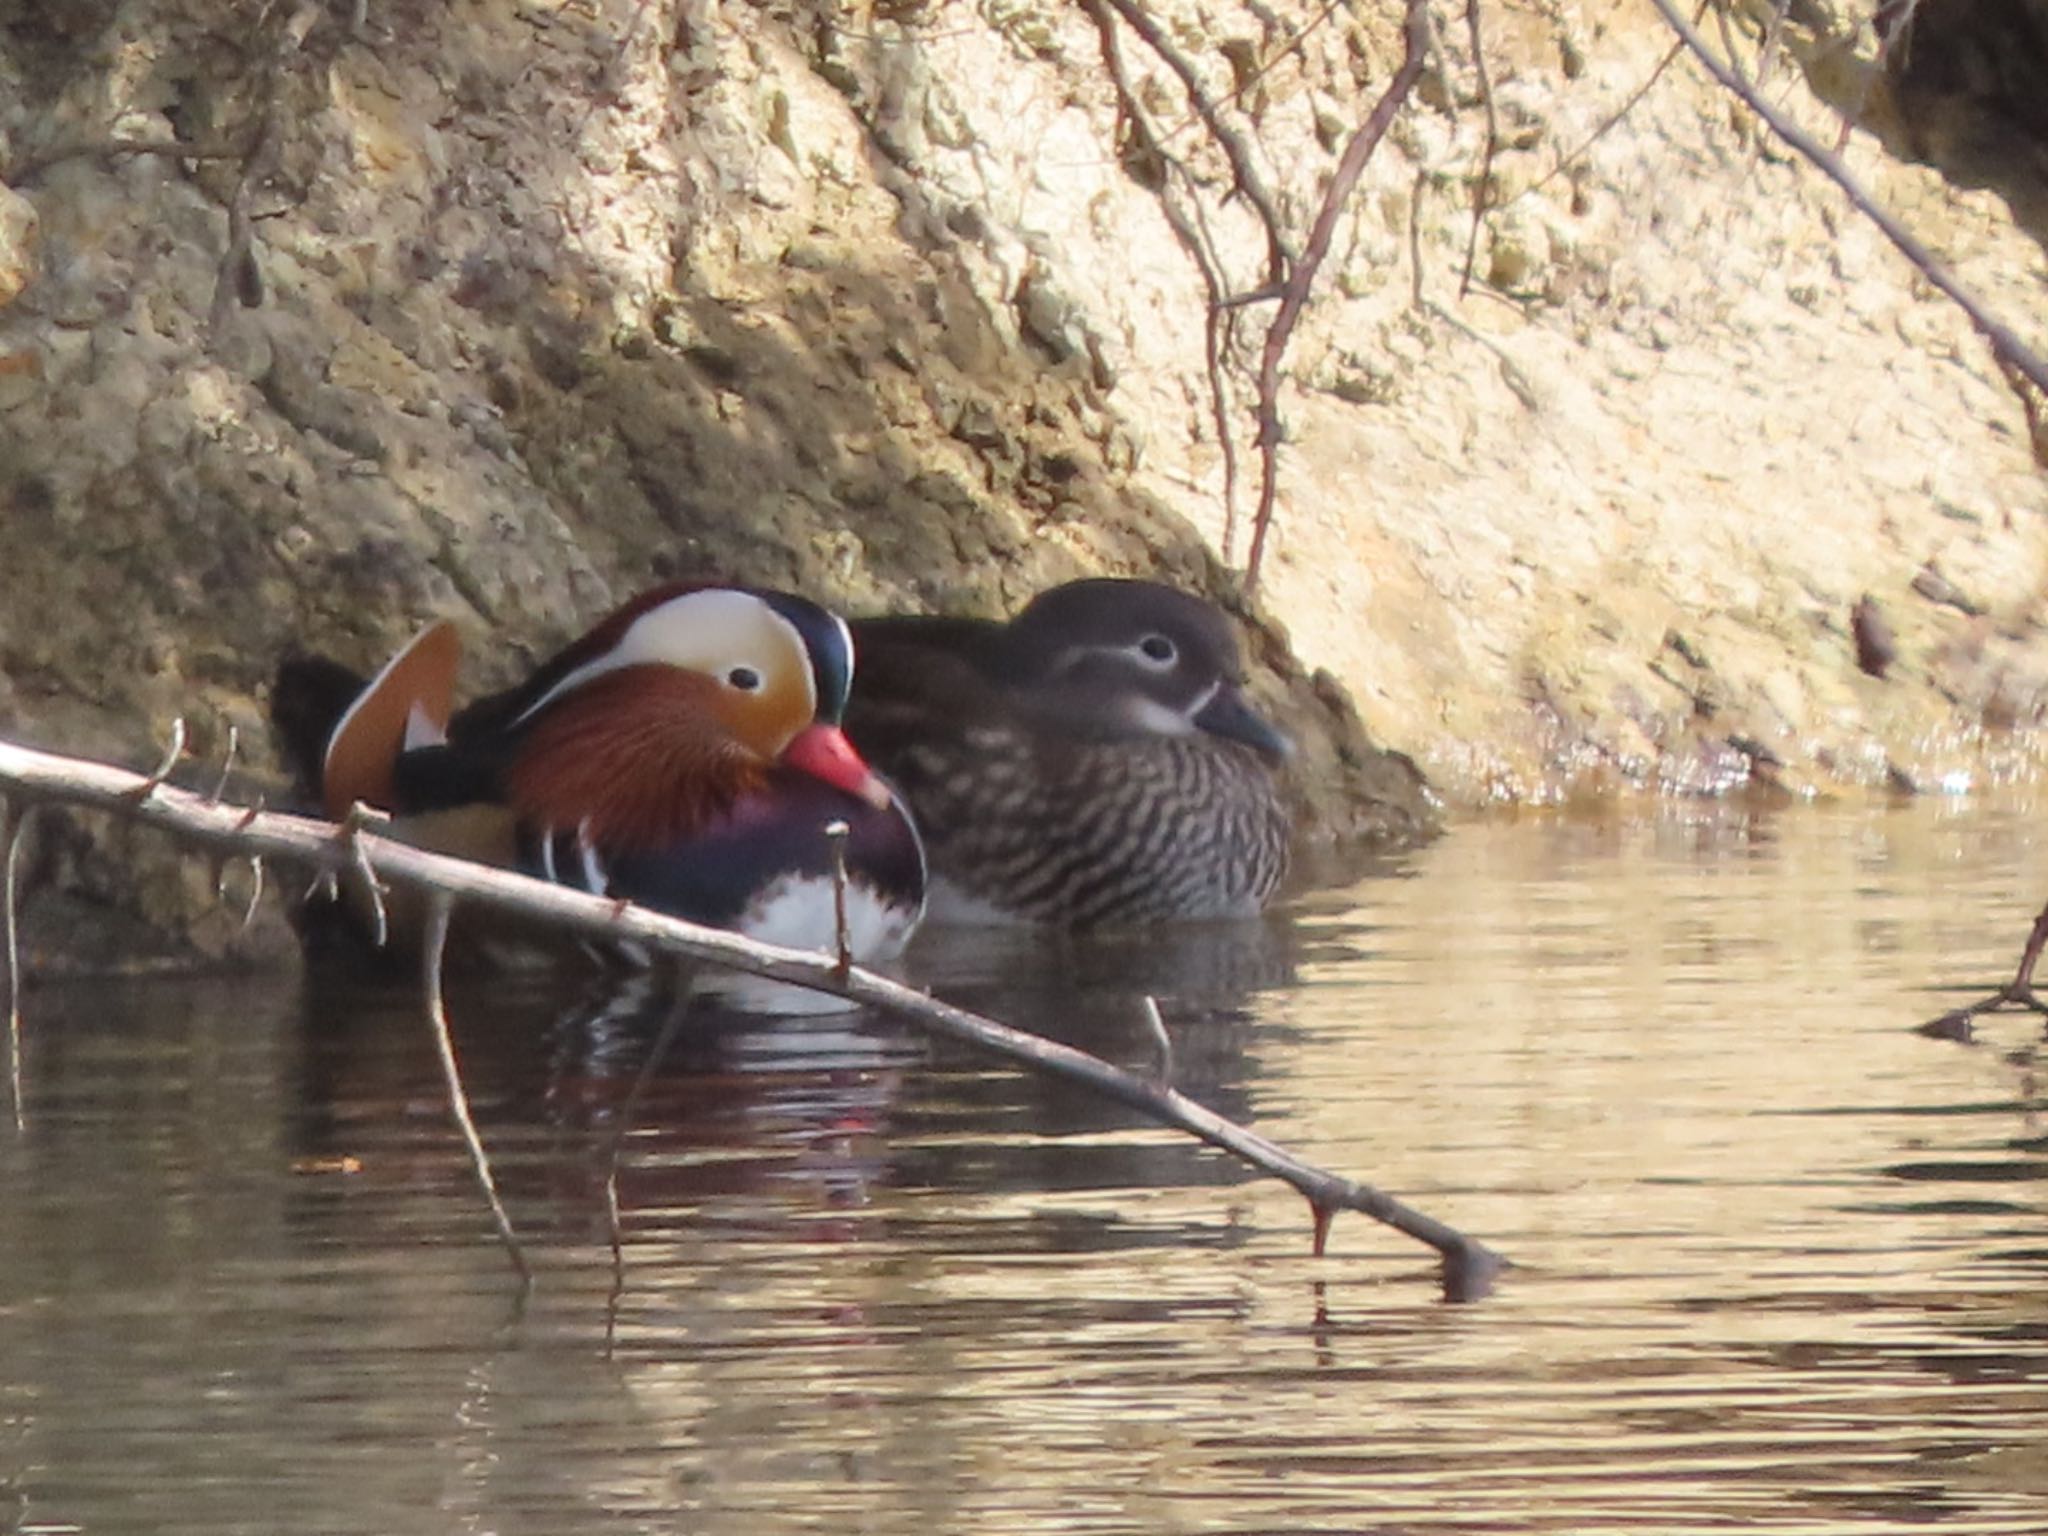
[(759, 1121), (762, 1121), (1090, 990)]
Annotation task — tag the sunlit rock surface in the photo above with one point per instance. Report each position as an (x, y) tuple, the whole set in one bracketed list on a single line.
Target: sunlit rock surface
[(499, 310)]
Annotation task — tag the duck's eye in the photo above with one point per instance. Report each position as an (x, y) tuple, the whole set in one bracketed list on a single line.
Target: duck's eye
[(1158, 650), (746, 679)]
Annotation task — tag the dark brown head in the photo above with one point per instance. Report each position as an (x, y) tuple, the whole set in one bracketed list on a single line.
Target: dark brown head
[(1132, 658)]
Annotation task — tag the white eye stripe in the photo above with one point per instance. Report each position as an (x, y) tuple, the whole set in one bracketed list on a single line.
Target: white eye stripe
[(1135, 651), (698, 632)]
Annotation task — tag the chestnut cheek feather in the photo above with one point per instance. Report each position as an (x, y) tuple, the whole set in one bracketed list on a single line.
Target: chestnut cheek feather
[(637, 759)]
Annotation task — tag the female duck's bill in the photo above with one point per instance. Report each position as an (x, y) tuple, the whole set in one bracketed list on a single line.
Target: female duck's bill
[(1093, 762), (685, 754)]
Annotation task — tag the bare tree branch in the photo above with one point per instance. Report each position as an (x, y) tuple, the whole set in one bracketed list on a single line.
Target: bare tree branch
[(2006, 346), (1191, 230), (239, 278), (15, 826), (1469, 1267), (1294, 293), (1244, 173), (1482, 191), (1289, 278), (2017, 994), (837, 833), (671, 1026), (1607, 125), (1773, 35), (440, 907), (1247, 79)]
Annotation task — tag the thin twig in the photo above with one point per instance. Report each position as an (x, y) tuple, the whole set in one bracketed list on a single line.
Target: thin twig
[(222, 864), (1160, 1038), (2023, 978), (1415, 196), (440, 906), (836, 834), (1299, 280), (360, 816), (2005, 344), (227, 765), (17, 833), (613, 68), (162, 771), (1892, 21), (1721, 23), (220, 784), (1190, 228), (1607, 125), (1469, 1266), (1242, 83), (2017, 994), (671, 1026), (1482, 194), (1215, 324), (1244, 174), (256, 879), (255, 891), (237, 278), (1519, 384), (2031, 403), (1773, 33)]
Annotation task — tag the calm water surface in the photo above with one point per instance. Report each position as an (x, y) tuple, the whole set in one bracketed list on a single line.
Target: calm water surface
[(1783, 1263)]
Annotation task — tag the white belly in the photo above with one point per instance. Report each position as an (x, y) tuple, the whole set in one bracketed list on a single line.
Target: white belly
[(797, 913)]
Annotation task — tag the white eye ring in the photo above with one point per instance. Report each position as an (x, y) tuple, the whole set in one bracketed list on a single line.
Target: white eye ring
[(746, 679), (1156, 652)]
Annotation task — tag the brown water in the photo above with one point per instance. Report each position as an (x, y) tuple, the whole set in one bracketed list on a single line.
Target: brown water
[(1783, 1263)]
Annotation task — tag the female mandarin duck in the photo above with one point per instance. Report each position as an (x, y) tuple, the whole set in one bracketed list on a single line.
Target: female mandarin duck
[(685, 754), (1091, 762)]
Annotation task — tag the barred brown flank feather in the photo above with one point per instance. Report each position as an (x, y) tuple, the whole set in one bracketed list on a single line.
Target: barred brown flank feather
[(642, 756), (1066, 768), (1153, 828)]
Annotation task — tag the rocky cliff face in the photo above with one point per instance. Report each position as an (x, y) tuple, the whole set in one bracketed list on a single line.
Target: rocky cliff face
[(316, 319)]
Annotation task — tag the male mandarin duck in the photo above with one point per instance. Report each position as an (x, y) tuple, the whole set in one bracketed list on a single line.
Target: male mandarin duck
[(686, 754), (1092, 762)]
